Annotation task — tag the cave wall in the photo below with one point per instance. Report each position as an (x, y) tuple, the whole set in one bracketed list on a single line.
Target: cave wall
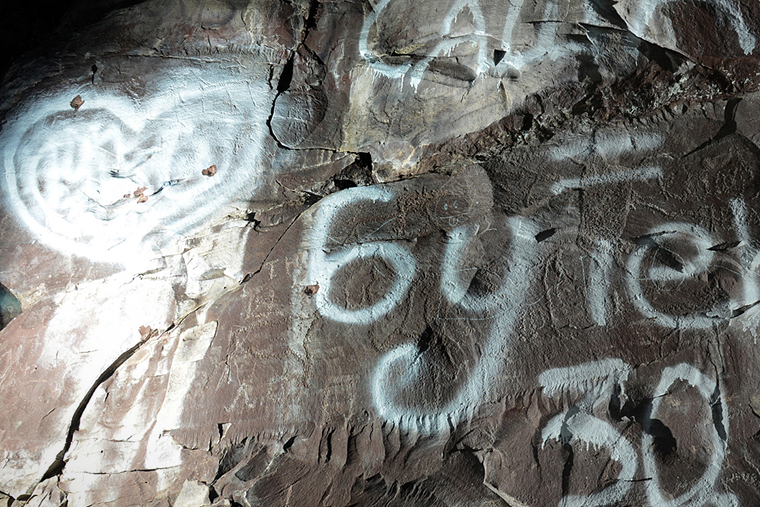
[(393, 253)]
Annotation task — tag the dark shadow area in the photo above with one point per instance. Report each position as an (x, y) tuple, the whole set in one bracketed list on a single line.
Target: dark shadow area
[(10, 307), (32, 24)]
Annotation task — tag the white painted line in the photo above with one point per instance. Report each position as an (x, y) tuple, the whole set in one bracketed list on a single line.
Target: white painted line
[(646, 173)]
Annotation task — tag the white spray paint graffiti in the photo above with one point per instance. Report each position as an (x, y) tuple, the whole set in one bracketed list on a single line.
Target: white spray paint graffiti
[(446, 46), (596, 380), (324, 263), (691, 267), (750, 261), (643, 18), (703, 492), (545, 46), (642, 14), (595, 432), (400, 371), (71, 177), (502, 306), (606, 146), (645, 173), (600, 269), (506, 304), (584, 378), (392, 71)]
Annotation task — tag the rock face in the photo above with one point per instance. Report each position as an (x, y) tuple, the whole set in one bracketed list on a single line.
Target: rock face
[(390, 253)]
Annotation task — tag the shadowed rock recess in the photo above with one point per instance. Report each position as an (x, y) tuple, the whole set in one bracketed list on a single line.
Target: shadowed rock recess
[(383, 253)]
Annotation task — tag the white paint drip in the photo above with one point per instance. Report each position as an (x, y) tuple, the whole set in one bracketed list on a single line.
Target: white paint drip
[(750, 260), (595, 379), (577, 378), (750, 257), (599, 434), (391, 71), (545, 46), (579, 424), (67, 175), (509, 25), (610, 145), (479, 38), (703, 492), (739, 212)]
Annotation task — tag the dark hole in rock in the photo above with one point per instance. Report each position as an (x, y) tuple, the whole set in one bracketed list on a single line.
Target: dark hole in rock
[(567, 468), (722, 247), (310, 198), (357, 174), (669, 259), (286, 77), (717, 414), (548, 233), (666, 59), (231, 458), (527, 122), (289, 444), (423, 343), (344, 184), (10, 307), (251, 217), (664, 442), (498, 55), (311, 21), (614, 406)]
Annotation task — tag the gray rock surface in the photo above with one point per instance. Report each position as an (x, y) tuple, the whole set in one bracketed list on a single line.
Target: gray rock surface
[(396, 253)]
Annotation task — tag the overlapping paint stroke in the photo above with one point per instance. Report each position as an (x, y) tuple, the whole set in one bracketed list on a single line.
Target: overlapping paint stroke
[(70, 176)]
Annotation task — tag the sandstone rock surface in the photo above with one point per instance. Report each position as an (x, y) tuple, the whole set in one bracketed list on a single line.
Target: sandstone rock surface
[(450, 253)]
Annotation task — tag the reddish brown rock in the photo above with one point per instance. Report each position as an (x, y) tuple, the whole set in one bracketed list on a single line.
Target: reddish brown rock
[(457, 254)]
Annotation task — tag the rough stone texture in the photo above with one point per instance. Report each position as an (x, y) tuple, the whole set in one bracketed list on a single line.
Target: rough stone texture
[(451, 253)]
